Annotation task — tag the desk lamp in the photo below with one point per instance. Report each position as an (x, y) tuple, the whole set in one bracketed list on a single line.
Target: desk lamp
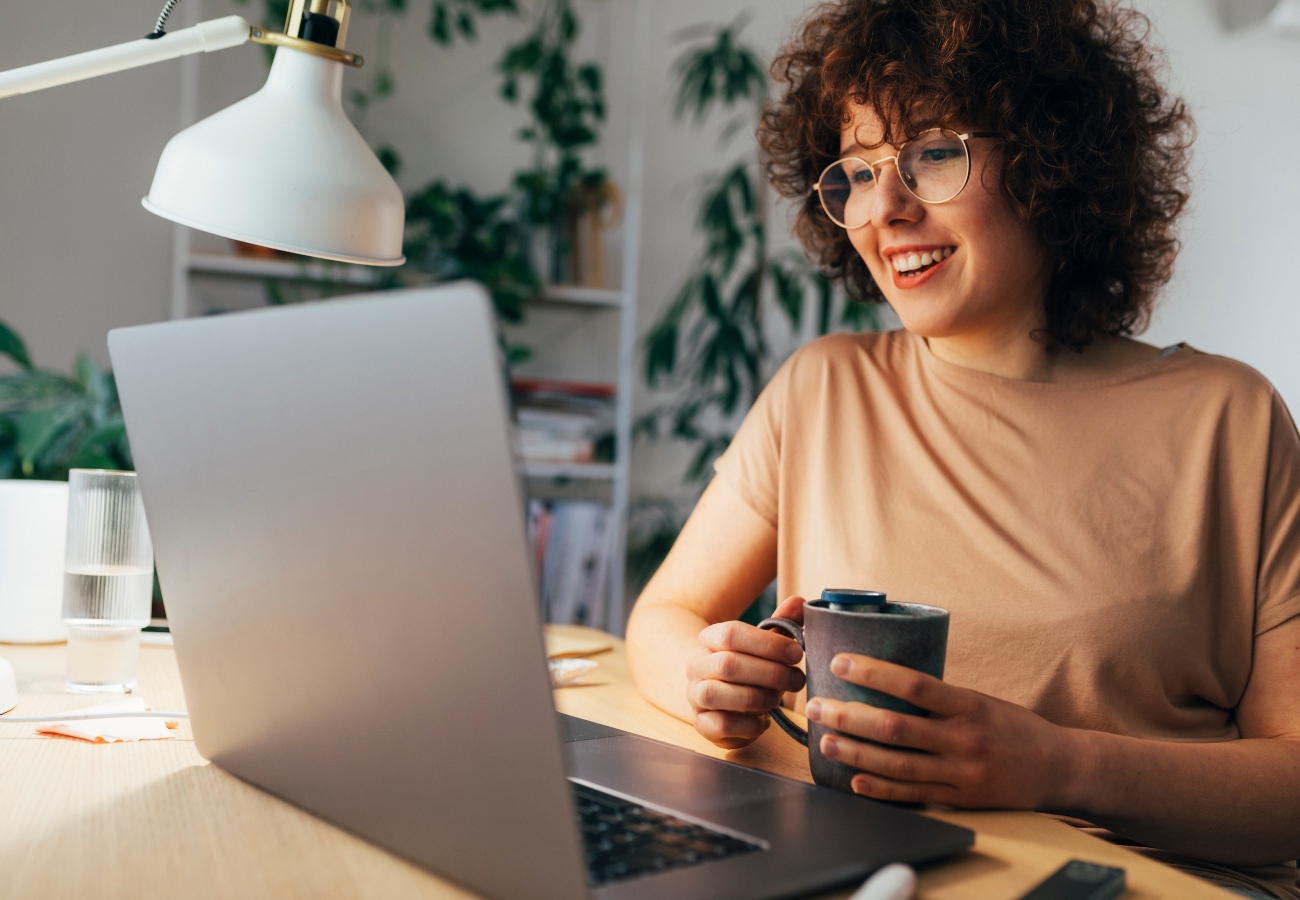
[(283, 168)]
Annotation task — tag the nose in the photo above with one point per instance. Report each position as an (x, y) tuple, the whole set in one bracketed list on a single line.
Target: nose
[(891, 201)]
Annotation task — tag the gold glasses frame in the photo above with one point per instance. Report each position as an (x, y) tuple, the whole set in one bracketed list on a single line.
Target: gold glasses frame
[(894, 159)]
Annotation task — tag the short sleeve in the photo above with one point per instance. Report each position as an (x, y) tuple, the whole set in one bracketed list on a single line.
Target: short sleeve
[(751, 465), (1278, 595)]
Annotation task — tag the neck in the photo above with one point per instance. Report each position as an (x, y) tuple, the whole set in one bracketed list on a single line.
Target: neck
[(1007, 349), (1014, 353)]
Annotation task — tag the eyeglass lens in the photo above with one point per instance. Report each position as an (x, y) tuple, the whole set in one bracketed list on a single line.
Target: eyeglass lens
[(934, 167)]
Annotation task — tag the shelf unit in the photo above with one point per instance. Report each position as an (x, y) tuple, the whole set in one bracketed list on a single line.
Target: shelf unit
[(188, 264), (325, 272), (226, 265)]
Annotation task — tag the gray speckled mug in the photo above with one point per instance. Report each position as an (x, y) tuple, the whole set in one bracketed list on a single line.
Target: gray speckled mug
[(863, 622)]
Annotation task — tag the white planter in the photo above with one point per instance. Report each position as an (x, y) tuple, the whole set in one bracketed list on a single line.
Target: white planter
[(33, 533)]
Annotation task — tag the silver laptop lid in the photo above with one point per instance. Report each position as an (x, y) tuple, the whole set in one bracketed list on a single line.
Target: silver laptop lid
[(340, 541)]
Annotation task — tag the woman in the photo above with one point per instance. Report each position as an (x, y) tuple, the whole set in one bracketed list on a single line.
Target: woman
[(1115, 527)]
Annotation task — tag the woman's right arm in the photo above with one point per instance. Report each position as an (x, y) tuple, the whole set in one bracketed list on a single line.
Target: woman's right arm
[(687, 654)]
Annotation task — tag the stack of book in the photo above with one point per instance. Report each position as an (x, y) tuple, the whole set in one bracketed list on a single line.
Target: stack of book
[(562, 421), (571, 545)]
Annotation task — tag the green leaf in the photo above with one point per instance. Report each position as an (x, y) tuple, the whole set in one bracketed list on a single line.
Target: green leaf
[(589, 75), (721, 71), (518, 353), (704, 457), (860, 316), (568, 22), (42, 434), (647, 426), (35, 389), (465, 25), (9, 466), (12, 346), (825, 299), (661, 352), (389, 159), (789, 293), (439, 25), (95, 382)]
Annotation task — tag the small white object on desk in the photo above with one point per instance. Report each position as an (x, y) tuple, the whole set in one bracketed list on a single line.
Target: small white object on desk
[(895, 881), (33, 532), (8, 687), (108, 731), (567, 671)]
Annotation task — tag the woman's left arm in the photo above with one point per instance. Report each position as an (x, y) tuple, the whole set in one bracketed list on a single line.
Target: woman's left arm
[(1236, 802)]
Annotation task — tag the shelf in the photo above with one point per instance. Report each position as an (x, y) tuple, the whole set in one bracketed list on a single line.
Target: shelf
[(326, 272), (603, 471), (288, 269), (582, 296)]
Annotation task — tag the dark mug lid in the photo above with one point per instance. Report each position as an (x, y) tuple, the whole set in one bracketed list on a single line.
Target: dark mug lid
[(847, 600)]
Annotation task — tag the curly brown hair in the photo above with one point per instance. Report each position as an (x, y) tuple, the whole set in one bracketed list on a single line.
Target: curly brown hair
[(1094, 152)]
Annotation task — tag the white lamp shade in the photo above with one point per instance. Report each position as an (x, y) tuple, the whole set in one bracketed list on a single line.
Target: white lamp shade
[(285, 168)]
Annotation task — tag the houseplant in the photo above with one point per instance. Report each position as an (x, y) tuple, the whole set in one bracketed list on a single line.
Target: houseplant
[(710, 348), (50, 422)]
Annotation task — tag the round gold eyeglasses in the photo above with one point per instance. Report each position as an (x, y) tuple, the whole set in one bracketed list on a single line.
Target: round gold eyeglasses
[(934, 167)]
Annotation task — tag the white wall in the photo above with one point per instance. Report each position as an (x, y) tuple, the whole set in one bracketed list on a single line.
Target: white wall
[(1236, 289), (78, 254)]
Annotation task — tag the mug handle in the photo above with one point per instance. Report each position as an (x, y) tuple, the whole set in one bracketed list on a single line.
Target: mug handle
[(794, 630)]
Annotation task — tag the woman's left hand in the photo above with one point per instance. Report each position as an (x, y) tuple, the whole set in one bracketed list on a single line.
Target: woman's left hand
[(973, 751)]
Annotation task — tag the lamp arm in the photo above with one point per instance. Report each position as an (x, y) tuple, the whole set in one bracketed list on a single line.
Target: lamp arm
[(217, 34)]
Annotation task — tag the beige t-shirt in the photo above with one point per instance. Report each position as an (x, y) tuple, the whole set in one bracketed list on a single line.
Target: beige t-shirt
[(1108, 550)]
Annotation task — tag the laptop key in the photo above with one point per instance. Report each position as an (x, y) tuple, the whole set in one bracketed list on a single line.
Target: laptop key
[(623, 840)]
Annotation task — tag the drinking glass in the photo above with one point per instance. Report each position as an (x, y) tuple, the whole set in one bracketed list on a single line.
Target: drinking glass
[(107, 580)]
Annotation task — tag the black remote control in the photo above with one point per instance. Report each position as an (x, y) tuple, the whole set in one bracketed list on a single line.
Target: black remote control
[(1079, 880)]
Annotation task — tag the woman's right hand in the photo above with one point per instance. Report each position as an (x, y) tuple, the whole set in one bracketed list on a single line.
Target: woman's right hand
[(739, 675)]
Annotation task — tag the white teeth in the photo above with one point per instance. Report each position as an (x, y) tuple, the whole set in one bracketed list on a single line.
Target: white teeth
[(912, 261)]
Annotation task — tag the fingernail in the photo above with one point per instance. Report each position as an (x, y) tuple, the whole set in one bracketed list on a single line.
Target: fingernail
[(840, 665), (814, 710), (793, 652), (830, 746)]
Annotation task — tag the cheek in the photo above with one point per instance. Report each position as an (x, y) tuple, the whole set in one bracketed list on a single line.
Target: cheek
[(1006, 246), (864, 243)]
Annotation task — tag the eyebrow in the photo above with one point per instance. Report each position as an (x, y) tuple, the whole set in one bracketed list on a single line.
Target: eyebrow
[(855, 149)]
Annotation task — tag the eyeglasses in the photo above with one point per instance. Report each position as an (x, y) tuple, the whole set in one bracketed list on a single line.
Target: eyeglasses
[(934, 167)]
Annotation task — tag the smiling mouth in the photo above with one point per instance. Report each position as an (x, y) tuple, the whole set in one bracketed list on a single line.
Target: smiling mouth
[(912, 265)]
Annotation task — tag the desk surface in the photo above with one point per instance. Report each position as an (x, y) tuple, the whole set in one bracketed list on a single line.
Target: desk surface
[(152, 819)]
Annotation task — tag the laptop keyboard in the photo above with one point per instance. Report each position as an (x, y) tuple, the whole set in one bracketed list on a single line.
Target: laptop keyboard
[(624, 840)]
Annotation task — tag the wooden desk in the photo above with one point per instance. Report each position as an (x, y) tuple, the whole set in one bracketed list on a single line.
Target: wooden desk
[(152, 819)]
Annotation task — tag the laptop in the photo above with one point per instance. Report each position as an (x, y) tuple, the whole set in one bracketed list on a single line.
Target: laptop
[(338, 523)]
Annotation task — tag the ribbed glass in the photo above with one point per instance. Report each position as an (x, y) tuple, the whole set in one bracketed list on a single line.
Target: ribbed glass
[(108, 570)]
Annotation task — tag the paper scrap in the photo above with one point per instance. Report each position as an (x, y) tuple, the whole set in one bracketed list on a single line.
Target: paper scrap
[(560, 645), (108, 731), (565, 672)]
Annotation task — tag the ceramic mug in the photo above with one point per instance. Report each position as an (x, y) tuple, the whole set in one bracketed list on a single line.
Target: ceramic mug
[(862, 622)]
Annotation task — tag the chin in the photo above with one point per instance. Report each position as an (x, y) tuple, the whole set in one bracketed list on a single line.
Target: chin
[(929, 318)]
